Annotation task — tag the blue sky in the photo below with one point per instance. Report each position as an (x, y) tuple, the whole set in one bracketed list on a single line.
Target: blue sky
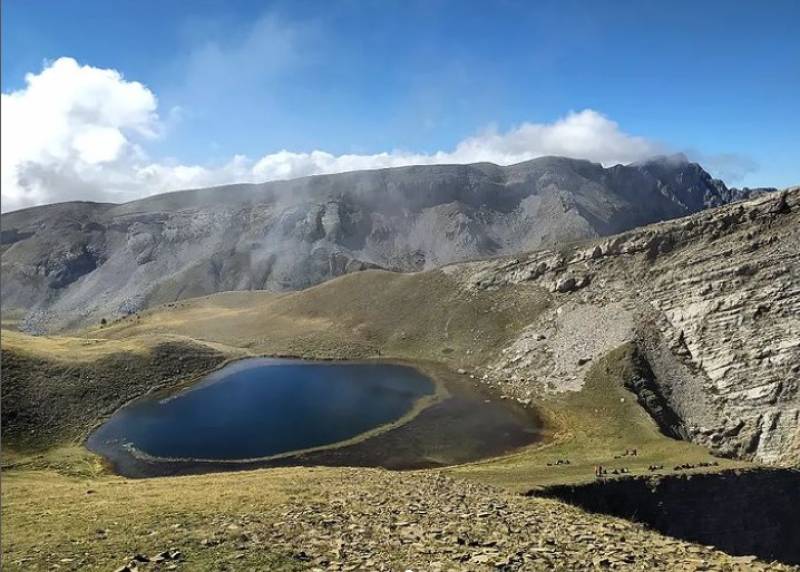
[(719, 80)]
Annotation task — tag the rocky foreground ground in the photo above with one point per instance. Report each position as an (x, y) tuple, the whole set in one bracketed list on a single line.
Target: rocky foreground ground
[(351, 519), (432, 522)]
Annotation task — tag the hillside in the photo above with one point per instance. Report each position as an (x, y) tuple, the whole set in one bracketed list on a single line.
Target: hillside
[(707, 307), (73, 264)]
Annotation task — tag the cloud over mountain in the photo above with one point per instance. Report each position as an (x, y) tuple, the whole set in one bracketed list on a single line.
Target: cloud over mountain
[(76, 132)]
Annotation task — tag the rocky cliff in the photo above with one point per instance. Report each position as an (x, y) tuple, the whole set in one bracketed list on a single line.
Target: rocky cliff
[(76, 263), (712, 304)]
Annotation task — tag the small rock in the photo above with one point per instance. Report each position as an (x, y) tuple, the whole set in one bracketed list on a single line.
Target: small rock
[(565, 285)]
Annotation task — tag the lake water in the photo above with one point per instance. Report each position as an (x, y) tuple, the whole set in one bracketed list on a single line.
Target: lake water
[(267, 412)]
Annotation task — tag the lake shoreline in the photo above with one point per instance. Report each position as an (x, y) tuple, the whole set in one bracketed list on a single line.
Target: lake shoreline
[(134, 463)]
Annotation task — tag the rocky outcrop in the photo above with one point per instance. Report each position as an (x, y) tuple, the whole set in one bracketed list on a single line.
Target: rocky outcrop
[(712, 302), (68, 266), (642, 383), (75, 263)]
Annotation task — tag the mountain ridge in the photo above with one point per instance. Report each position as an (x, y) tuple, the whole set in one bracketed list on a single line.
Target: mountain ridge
[(71, 264)]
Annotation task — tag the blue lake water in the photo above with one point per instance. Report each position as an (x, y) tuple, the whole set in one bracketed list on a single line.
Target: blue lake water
[(262, 407)]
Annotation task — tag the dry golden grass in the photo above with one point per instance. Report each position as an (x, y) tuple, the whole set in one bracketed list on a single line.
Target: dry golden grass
[(98, 522), (72, 348), (415, 316)]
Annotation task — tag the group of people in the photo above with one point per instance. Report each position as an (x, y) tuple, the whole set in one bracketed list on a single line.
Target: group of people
[(601, 471), (686, 466)]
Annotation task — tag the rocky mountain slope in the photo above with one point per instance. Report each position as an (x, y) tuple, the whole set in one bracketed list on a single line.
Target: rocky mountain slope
[(73, 264), (712, 303)]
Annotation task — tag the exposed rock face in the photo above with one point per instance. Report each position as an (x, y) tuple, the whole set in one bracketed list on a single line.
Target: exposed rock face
[(712, 302), (75, 263), (644, 385)]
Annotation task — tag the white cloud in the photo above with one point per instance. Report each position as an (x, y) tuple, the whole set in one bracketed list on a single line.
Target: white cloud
[(78, 133), (99, 144), (586, 134), (71, 125)]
